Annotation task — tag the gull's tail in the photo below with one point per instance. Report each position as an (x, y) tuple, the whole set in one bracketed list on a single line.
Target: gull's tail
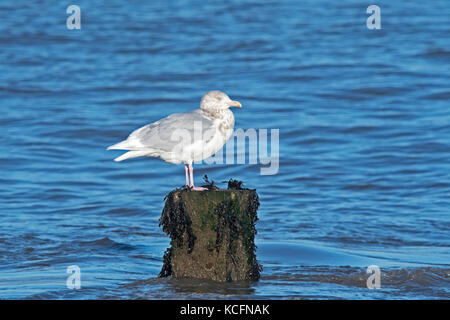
[(131, 154), (123, 145)]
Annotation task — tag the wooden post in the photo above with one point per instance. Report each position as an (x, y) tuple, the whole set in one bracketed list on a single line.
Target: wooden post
[(212, 234)]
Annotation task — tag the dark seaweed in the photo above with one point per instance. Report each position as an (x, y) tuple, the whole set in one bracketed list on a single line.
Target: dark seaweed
[(183, 188), (175, 221), (235, 185), (210, 185), (222, 210), (249, 243), (166, 270), (227, 213)]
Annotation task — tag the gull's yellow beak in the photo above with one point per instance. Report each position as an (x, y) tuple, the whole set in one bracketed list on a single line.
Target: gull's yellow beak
[(235, 104)]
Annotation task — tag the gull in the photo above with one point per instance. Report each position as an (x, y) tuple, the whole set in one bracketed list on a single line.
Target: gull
[(184, 137)]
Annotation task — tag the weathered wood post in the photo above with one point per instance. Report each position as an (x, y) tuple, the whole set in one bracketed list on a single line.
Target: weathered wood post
[(212, 234)]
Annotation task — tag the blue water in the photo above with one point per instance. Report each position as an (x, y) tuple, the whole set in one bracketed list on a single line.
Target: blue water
[(364, 120)]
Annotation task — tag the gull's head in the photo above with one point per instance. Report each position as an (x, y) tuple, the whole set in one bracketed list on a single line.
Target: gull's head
[(217, 100)]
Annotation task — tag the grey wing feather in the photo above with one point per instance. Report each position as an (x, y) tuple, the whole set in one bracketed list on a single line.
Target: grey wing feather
[(166, 133)]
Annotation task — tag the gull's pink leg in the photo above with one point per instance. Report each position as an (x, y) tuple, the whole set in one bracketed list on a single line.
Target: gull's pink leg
[(186, 170), (191, 173)]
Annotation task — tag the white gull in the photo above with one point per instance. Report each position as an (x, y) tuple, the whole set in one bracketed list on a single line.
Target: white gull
[(184, 137)]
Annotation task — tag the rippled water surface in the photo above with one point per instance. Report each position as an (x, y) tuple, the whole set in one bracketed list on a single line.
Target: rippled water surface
[(364, 120)]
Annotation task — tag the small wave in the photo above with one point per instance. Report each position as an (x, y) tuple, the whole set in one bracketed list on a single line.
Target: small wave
[(436, 54), (360, 129), (445, 95), (144, 101), (124, 211), (365, 186), (379, 91), (105, 243)]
